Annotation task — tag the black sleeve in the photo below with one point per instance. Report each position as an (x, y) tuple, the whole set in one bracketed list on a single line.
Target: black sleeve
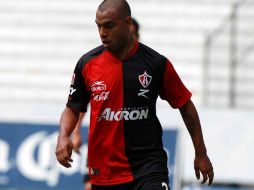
[(79, 97)]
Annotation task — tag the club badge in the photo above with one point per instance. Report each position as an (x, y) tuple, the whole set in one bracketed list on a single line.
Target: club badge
[(145, 79)]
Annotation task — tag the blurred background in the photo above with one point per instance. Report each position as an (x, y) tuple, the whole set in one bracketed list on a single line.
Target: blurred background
[(209, 42)]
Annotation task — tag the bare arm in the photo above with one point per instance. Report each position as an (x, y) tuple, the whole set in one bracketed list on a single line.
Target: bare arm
[(201, 163), (68, 121), (64, 146), (76, 136)]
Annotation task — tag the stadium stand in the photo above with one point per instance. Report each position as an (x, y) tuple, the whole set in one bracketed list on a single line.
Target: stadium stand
[(42, 40)]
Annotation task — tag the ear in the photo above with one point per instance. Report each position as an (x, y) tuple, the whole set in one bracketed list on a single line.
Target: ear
[(128, 21)]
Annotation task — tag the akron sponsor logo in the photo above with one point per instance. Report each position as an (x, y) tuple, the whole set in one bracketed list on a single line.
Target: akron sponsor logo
[(136, 114)]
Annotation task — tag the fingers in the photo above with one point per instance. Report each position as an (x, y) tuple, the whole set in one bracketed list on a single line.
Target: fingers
[(206, 174), (64, 158), (203, 165), (197, 173), (63, 155), (66, 162), (210, 175)]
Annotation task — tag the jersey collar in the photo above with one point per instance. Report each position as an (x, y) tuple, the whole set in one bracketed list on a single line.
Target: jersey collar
[(130, 54), (133, 51)]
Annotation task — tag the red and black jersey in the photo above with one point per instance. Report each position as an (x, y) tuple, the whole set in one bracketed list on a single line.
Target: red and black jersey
[(125, 136)]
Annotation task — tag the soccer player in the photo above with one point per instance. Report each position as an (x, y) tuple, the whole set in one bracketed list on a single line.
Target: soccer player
[(76, 134), (122, 80)]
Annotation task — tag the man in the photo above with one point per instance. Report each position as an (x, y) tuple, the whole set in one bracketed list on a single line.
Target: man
[(122, 80), (76, 134)]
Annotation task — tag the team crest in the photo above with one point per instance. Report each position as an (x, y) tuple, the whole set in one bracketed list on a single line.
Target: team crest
[(145, 79)]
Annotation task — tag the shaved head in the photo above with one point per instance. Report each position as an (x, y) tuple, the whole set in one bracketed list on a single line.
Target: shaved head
[(121, 7), (113, 19)]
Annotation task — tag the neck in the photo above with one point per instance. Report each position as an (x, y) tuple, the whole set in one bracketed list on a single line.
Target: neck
[(125, 50)]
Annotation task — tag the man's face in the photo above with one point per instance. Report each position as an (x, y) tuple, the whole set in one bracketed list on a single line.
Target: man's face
[(113, 30)]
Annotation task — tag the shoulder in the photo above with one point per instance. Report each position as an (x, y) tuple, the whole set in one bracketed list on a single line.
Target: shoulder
[(90, 55), (151, 53), (152, 57)]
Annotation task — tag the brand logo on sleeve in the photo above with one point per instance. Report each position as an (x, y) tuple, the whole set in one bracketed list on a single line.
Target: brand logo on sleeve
[(73, 79), (72, 89), (145, 81)]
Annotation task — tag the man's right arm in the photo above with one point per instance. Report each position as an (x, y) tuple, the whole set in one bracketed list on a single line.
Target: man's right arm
[(76, 135), (78, 99), (64, 146)]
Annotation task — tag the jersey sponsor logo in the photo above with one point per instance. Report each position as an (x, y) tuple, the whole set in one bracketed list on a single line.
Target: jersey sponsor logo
[(101, 97), (98, 86), (125, 114), (145, 79)]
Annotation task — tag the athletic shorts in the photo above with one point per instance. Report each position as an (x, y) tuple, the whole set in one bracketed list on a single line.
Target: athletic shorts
[(138, 184)]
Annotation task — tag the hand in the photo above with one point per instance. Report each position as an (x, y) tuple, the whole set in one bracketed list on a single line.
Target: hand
[(77, 142), (202, 164), (63, 151)]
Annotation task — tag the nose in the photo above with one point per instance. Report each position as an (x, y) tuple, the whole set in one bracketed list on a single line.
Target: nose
[(103, 32)]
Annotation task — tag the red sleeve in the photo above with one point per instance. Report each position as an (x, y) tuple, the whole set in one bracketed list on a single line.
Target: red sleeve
[(173, 90)]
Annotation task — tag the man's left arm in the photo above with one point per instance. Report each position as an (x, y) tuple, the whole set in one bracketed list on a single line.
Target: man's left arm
[(202, 162)]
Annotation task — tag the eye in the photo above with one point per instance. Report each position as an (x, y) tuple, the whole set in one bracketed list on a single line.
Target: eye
[(109, 25)]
